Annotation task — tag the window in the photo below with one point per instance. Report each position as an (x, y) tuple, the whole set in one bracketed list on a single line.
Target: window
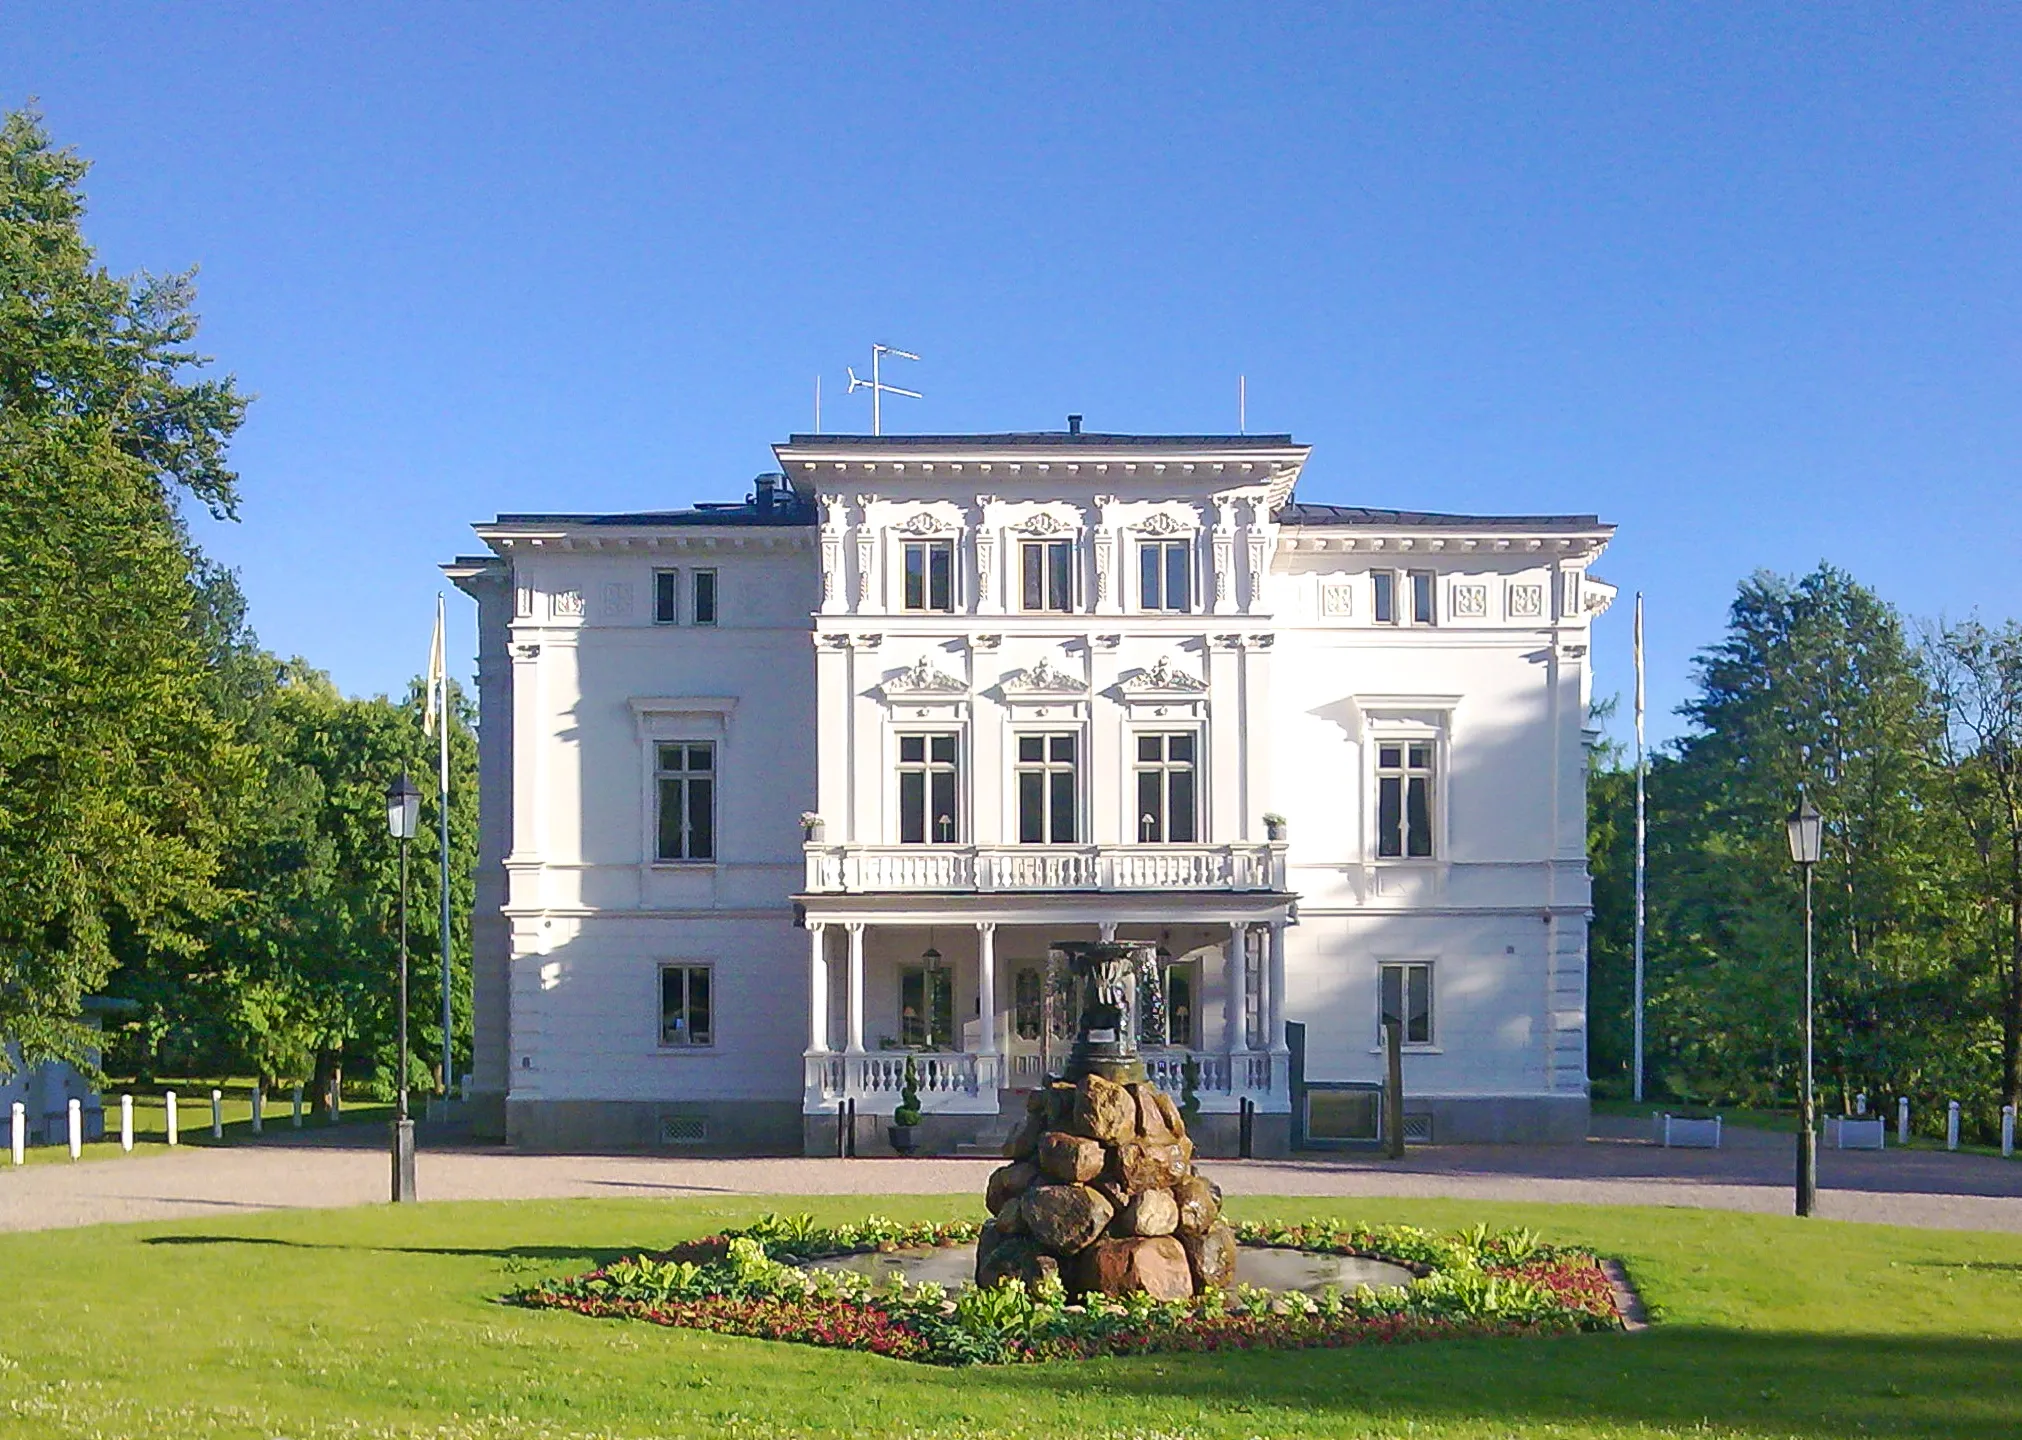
[(1421, 597), (1165, 570), (1048, 574), (930, 575), (927, 774), (1166, 795), (686, 1016), (1404, 799), (1028, 1008), (1383, 603), (1048, 783), (926, 1007), (666, 597), (703, 611), (1404, 995), (684, 775)]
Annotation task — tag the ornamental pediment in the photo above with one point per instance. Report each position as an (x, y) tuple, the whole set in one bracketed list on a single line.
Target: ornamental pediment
[(1162, 676), (1044, 678), (924, 678)]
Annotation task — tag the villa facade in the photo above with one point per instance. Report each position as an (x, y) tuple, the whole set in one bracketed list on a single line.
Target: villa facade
[(778, 794)]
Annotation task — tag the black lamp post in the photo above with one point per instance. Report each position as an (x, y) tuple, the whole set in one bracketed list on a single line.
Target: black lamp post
[(1805, 828), (403, 812)]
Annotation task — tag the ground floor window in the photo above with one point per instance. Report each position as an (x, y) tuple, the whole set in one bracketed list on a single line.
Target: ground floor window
[(1170, 1021), (1028, 1003), (926, 1007), (686, 1005), (1404, 991)]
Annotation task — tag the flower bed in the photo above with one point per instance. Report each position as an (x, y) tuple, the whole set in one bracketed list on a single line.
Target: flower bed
[(750, 1282)]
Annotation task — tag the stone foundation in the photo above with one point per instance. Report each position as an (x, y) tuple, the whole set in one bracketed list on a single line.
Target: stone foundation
[(666, 1127)]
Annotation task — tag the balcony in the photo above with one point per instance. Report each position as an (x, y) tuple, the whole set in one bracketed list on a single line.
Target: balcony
[(1002, 869)]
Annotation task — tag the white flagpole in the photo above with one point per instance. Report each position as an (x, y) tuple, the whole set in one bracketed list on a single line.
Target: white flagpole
[(1641, 831), (441, 667)]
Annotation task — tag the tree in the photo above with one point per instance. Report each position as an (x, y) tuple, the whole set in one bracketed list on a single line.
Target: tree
[(1978, 674), (118, 779)]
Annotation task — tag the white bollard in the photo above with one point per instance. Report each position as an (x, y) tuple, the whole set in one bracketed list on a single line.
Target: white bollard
[(76, 1117), (168, 1100), (217, 1114), (2007, 1132), (1861, 1104), (298, 1107), (1902, 1120), (336, 1105), (20, 1128), (463, 1087), (1952, 1126), (126, 1123), (258, 1097)]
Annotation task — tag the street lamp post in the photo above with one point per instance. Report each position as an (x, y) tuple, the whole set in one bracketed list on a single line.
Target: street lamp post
[(403, 811), (1805, 828)]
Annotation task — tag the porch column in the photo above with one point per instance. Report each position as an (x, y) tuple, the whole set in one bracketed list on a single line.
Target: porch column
[(1235, 990), (817, 989), (986, 983), (856, 986), (1278, 1046)]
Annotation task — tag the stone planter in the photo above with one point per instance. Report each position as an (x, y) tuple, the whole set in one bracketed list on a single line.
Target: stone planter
[(905, 1138), (1689, 1132), (1855, 1132)]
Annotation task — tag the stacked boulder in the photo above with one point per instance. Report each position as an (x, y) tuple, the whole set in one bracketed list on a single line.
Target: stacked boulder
[(1101, 1192)]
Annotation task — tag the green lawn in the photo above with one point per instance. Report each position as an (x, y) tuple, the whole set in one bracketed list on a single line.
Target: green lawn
[(193, 1119), (375, 1322)]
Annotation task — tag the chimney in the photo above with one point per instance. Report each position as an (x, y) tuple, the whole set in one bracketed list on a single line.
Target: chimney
[(763, 492), (1074, 424)]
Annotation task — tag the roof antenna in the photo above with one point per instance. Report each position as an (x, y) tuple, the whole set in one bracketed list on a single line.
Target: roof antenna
[(878, 388), (1242, 404)]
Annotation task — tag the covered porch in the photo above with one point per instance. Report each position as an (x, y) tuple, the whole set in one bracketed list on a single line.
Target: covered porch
[(958, 983)]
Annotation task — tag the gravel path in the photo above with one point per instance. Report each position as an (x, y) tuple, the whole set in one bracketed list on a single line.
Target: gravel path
[(1923, 1188)]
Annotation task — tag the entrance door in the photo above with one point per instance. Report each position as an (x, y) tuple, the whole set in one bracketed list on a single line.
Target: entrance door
[(1026, 1061)]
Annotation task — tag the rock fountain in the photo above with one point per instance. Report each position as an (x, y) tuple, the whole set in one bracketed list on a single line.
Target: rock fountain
[(1101, 1190)]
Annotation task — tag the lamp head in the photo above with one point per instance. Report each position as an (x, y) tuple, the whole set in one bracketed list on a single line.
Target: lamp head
[(1805, 829), (403, 808)]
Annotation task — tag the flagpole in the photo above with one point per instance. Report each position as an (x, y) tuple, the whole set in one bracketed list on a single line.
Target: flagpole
[(442, 825), (1641, 833)]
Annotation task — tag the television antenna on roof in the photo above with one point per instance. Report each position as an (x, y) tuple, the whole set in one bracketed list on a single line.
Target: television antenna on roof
[(877, 386)]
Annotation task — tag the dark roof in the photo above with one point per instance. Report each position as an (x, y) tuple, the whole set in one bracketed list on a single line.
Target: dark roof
[(1298, 513), (1038, 439), (787, 509)]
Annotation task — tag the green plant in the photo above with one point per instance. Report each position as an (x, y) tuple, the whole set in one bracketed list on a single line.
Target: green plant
[(908, 1112)]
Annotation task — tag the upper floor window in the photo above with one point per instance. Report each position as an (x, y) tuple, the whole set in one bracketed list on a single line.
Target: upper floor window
[(930, 575), (667, 597), (1404, 776), (685, 1010), (1404, 998), (1421, 597), (1047, 569), (1167, 796), (1396, 596), (684, 781), (928, 772), (1048, 784), (1165, 573)]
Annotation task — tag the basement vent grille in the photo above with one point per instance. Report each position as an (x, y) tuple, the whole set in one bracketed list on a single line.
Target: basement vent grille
[(1418, 1128), (684, 1130)]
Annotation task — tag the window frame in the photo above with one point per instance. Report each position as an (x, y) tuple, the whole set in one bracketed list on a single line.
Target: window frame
[(687, 970), (1408, 964), (927, 766), (696, 577), (1404, 773), (1167, 549), (927, 547), (667, 589), (1045, 546), (683, 776), (1047, 767), (935, 997), (1134, 767), (1406, 589)]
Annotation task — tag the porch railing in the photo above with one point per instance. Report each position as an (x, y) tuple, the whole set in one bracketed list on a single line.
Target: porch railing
[(852, 868)]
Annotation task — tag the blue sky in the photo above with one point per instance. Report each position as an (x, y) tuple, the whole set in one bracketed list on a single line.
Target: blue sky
[(1741, 279)]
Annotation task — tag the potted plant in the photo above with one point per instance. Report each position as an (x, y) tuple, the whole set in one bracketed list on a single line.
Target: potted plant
[(1274, 825), (811, 826), (905, 1128)]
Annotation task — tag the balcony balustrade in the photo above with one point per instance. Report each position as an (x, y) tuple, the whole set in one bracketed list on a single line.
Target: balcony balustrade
[(849, 869)]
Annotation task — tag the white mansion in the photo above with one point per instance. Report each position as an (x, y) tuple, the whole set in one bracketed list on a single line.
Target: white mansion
[(778, 794)]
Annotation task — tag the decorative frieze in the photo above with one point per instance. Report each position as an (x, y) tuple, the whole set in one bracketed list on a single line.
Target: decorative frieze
[(1526, 602), (567, 605), (1469, 601)]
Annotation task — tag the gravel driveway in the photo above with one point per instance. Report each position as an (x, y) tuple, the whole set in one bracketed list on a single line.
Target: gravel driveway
[(1916, 1187)]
